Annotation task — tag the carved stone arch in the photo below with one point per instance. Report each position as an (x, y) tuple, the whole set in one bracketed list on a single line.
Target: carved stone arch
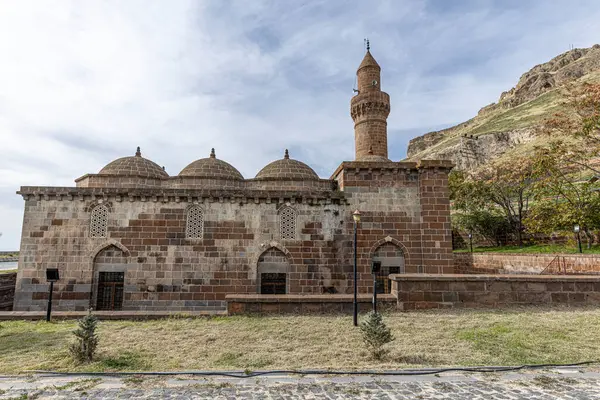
[(272, 270), (108, 263), (106, 244), (264, 247), (286, 205), (392, 257), (389, 239), (194, 205), (95, 203)]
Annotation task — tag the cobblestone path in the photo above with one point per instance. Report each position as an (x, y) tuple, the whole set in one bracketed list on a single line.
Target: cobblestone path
[(547, 385)]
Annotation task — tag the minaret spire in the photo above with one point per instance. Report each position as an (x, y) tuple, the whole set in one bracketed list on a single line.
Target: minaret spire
[(369, 110)]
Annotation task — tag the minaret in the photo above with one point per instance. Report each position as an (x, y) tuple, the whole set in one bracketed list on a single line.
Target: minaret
[(369, 110)]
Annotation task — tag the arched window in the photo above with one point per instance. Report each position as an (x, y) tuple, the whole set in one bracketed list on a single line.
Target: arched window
[(194, 226), (99, 221), (287, 223), (391, 261)]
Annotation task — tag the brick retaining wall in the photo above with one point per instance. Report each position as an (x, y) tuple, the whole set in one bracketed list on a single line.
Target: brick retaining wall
[(7, 290), (503, 263), (301, 304), (418, 291)]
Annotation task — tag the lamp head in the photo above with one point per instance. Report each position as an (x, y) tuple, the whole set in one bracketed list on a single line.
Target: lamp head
[(576, 228), (52, 274), (356, 216)]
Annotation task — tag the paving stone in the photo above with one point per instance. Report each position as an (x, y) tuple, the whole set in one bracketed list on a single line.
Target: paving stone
[(519, 386)]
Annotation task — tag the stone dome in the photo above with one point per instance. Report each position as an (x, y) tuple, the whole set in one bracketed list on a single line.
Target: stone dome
[(135, 166), (287, 168), (211, 167)]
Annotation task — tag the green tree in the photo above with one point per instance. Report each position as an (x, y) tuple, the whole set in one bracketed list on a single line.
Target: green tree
[(502, 188), (490, 225), (375, 335), (84, 347), (564, 165)]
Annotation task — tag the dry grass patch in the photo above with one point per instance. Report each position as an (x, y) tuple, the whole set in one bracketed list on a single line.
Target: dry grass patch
[(301, 342)]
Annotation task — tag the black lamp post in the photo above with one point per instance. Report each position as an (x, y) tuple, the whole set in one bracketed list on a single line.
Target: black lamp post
[(375, 269), (576, 229), (471, 241), (51, 276), (356, 217)]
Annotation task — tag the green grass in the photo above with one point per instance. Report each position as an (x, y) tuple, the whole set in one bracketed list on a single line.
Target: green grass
[(433, 338), (525, 115), (522, 116), (9, 255), (8, 271), (534, 249)]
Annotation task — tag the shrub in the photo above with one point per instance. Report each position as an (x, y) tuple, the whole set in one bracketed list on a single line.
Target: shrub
[(84, 347), (376, 334)]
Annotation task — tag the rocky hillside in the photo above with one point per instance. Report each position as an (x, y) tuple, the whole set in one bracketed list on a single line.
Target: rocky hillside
[(507, 127)]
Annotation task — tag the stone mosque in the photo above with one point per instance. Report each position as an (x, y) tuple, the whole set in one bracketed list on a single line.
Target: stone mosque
[(131, 237)]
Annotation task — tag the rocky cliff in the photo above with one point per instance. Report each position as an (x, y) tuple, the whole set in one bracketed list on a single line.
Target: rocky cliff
[(508, 126)]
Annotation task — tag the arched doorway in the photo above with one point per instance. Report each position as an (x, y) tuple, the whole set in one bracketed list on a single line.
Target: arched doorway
[(110, 265), (273, 272), (392, 261)]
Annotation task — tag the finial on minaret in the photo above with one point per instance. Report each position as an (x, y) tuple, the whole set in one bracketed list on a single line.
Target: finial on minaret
[(286, 155), (138, 153), (212, 153), (368, 44)]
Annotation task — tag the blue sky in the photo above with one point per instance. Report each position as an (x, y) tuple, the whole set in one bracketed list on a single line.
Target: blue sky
[(83, 83)]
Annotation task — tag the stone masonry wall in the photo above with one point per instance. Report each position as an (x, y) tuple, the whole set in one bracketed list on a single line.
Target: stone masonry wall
[(503, 263), (493, 291), (294, 304), (402, 205), (192, 274)]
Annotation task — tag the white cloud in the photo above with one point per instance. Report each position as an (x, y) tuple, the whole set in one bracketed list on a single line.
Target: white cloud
[(84, 82)]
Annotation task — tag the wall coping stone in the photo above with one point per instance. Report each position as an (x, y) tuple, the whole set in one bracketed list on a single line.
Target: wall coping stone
[(486, 277), (304, 298), (481, 254), (107, 315)]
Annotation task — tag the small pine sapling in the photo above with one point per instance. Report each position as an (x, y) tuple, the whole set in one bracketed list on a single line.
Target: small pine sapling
[(84, 347), (376, 334)]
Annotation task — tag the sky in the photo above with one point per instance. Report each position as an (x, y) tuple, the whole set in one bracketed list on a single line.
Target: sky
[(85, 82)]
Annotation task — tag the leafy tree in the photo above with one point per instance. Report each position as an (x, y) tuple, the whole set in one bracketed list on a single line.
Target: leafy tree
[(563, 166), (503, 188), (376, 334), (84, 347), (489, 225), (574, 132)]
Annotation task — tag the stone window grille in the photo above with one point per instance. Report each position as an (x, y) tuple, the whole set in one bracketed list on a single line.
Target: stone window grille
[(99, 222), (287, 223), (194, 227)]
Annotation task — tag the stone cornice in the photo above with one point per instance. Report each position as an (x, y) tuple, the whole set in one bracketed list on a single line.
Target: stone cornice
[(182, 195), (376, 166), (395, 167)]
